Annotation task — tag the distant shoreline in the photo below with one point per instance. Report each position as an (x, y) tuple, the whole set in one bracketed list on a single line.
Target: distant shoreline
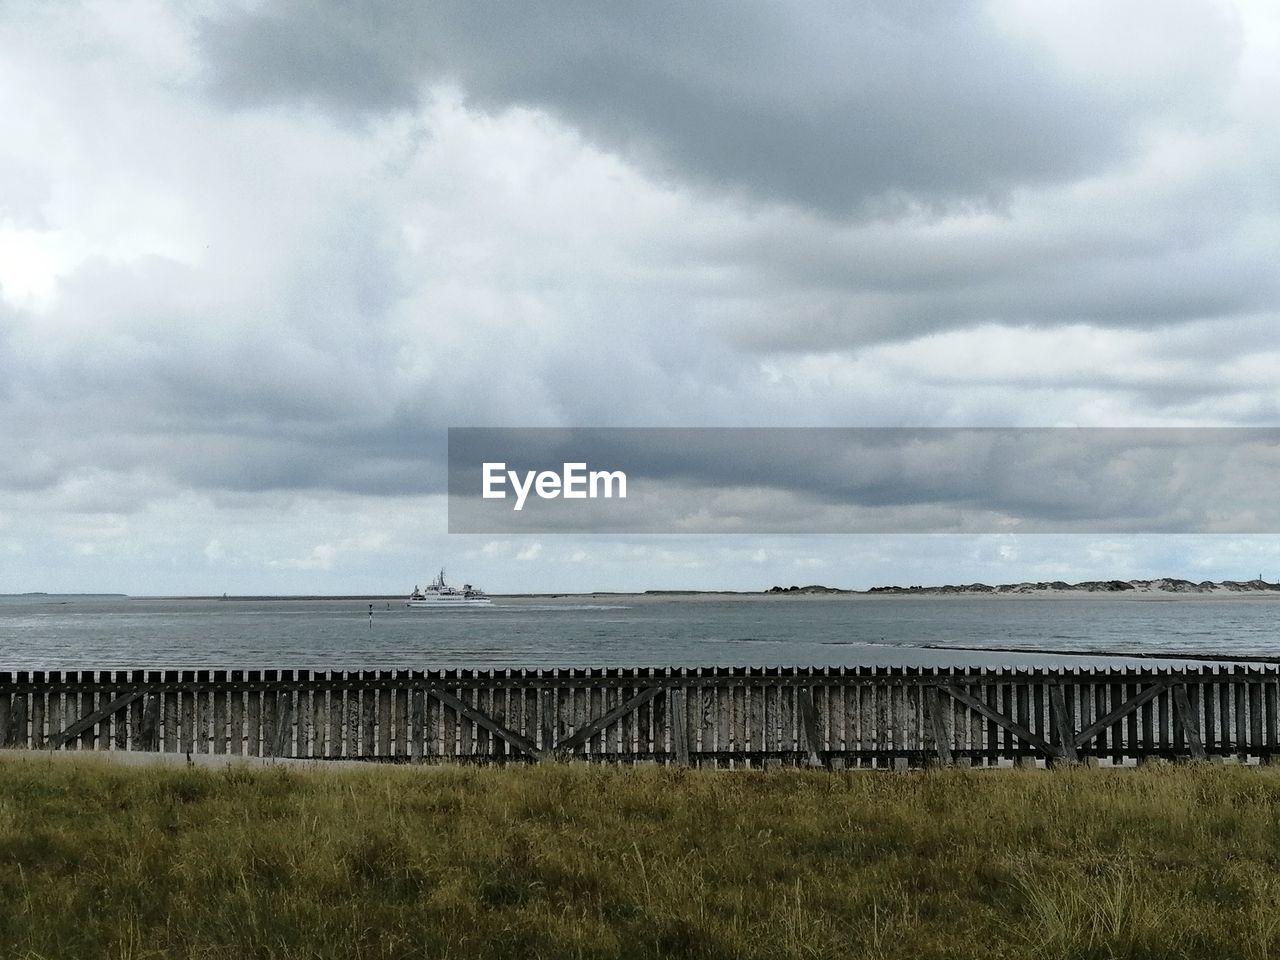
[(1166, 588)]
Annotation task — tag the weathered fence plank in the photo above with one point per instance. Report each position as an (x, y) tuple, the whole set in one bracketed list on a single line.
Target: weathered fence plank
[(933, 709), (1187, 721)]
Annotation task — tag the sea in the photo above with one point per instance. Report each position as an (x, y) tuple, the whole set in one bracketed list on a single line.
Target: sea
[(74, 633)]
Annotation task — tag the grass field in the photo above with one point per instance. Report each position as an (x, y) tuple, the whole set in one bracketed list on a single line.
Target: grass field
[(98, 860)]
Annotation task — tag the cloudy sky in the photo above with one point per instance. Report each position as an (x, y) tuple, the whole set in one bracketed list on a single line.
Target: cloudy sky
[(256, 258)]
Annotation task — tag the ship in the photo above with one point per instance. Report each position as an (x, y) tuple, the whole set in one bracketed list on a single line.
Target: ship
[(440, 594)]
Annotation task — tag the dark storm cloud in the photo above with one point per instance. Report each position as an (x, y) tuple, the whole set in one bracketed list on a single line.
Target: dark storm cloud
[(1175, 288), (883, 480), (831, 106), (1117, 261)]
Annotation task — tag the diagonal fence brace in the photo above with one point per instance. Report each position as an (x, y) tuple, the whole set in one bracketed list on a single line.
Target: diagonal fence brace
[(85, 722)]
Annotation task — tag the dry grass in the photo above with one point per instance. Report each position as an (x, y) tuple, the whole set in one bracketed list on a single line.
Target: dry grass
[(103, 861)]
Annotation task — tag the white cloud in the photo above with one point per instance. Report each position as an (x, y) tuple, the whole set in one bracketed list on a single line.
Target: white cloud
[(319, 557)]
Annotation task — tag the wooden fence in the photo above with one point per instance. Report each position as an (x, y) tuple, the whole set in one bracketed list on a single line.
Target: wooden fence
[(874, 716)]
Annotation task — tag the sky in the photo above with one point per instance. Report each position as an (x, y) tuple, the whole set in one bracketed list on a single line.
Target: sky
[(256, 258)]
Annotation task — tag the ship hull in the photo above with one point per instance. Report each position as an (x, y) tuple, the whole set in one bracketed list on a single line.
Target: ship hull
[(451, 603)]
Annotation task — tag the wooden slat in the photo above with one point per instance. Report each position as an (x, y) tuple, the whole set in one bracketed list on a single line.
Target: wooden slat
[(579, 714), (253, 724), (169, 720), (1240, 690), (1271, 715), (221, 709), (270, 723), (708, 717), (187, 721), (202, 735), (37, 720), (1131, 689), (660, 720), (1186, 719), (546, 722), (562, 711), (136, 710), (645, 745), (235, 722), (1040, 711), (466, 727), (679, 723), (333, 741), (417, 722), (368, 721), (1255, 717), (841, 720), (1064, 733), (284, 719), (120, 721), (808, 717), (1164, 724), (1226, 724), (150, 738), (301, 740), (446, 723), (938, 730), (351, 735), (993, 731), (53, 708), (976, 729), (722, 722), (319, 725), (1149, 731), (1022, 714), (88, 706), (384, 723), (18, 736), (771, 694), (400, 718)]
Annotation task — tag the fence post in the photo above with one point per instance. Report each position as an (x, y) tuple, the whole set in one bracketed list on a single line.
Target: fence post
[(546, 700), (151, 723), (679, 725), (18, 722), (809, 725), (933, 711), (1062, 725), (1187, 720)]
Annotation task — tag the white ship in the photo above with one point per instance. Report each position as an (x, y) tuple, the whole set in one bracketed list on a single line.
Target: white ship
[(440, 594)]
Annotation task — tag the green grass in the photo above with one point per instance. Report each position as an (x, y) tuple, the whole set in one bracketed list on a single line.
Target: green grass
[(103, 861)]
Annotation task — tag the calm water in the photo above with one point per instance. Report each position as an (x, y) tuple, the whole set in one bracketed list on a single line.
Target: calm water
[(67, 633)]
